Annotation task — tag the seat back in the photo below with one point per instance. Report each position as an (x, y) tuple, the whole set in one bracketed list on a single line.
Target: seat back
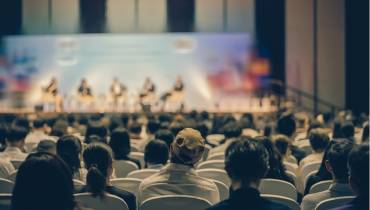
[(216, 164), (138, 156), (128, 184), (290, 203), (6, 186), (109, 201), (215, 139), (217, 156), (124, 167), (142, 174), (134, 149), (292, 176), (215, 174), (78, 183), (304, 182), (290, 167), (223, 190), (307, 169), (5, 201), (334, 202), (12, 176), (320, 186), (175, 202), (305, 146), (278, 187), (16, 163)]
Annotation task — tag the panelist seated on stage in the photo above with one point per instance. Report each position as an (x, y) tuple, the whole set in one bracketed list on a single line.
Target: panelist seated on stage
[(84, 89), (148, 88), (117, 89), (52, 88)]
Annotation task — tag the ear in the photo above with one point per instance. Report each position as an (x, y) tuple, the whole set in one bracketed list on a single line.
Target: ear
[(328, 166)]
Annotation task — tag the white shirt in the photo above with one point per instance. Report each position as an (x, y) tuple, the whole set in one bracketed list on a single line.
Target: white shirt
[(13, 153), (177, 179), (6, 168), (36, 136)]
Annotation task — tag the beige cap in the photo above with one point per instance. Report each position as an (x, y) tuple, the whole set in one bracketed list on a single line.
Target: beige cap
[(188, 146)]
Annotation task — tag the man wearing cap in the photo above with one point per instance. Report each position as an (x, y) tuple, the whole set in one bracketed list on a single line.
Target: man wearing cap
[(179, 176)]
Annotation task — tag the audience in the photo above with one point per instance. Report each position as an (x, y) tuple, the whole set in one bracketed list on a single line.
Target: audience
[(98, 161), (96, 128), (69, 148), (336, 164), (156, 154), (38, 132), (231, 131), (165, 135), (15, 144), (44, 182), (282, 144), (121, 146), (348, 131), (179, 176), (6, 168), (48, 146), (245, 180)]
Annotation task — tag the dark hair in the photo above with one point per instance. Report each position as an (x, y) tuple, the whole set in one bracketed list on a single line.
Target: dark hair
[(281, 143), (59, 128), (319, 139), (69, 149), (16, 134), (242, 153), (286, 124), (43, 182), (156, 152), (203, 129), (348, 130), (365, 132), (232, 130), (337, 156), (152, 126), (98, 160), (165, 135), (125, 119), (314, 124), (38, 123), (120, 143), (176, 127), (83, 120), (135, 128), (22, 122), (46, 145), (96, 128), (358, 163), (337, 133)]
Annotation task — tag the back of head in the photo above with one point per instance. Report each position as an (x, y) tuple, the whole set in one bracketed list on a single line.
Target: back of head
[(319, 139), (156, 152), (286, 124), (337, 156), (232, 130), (125, 118), (282, 143), (47, 145), (16, 134), (348, 130), (203, 129), (246, 161), (120, 143), (43, 182), (165, 135), (365, 132), (22, 122), (69, 149), (135, 128), (153, 126), (38, 123), (98, 161), (60, 128), (96, 128), (358, 163)]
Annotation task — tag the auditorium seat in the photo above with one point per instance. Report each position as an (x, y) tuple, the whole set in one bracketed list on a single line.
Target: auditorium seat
[(138, 156), (306, 178), (134, 149), (216, 164), (175, 202), (309, 168), (6, 186), (123, 167), (217, 156), (12, 176), (215, 174), (109, 201), (223, 189), (142, 174), (288, 202), (292, 176), (215, 139), (320, 186), (16, 163), (278, 187), (305, 146), (334, 202), (78, 183), (128, 184), (291, 167), (5, 201)]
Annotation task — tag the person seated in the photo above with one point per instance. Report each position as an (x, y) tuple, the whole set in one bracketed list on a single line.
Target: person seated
[(98, 161), (283, 144), (358, 167), (43, 183), (336, 164), (246, 163), (6, 168), (231, 131), (348, 131), (98, 129), (48, 146), (365, 132), (156, 154), (135, 134), (151, 127), (15, 144), (69, 148), (165, 135), (120, 145), (319, 140), (84, 89), (38, 132), (179, 176)]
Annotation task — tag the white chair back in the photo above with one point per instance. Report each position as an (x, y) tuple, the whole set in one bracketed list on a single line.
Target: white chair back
[(215, 138), (291, 167), (110, 202), (6, 186), (142, 174), (223, 189), (292, 176), (216, 164), (307, 169), (175, 202), (320, 186), (128, 184), (78, 183), (334, 202), (278, 187), (16, 163), (290, 203), (312, 173), (305, 146), (217, 156), (134, 149), (124, 167), (138, 156), (5, 201), (215, 174), (12, 176)]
